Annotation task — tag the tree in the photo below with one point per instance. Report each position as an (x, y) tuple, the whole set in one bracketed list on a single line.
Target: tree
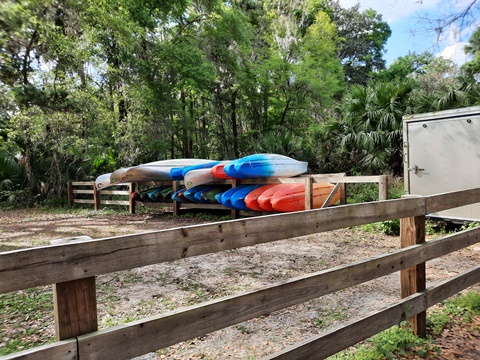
[(372, 121), (363, 37)]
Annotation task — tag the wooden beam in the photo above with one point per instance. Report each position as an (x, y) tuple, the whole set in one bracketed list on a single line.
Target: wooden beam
[(383, 187), (308, 193), (96, 197), (332, 194), (435, 203), (131, 200), (50, 264), (164, 330), (343, 194), (75, 308), (176, 204), (413, 279), (38, 266), (325, 345), (70, 193), (61, 350)]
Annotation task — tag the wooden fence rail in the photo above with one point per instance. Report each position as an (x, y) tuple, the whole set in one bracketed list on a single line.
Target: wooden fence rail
[(73, 267), (97, 195)]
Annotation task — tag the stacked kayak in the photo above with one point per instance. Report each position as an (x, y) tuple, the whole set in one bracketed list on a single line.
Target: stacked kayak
[(201, 178), (103, 181), (264, 166), (154, 171)]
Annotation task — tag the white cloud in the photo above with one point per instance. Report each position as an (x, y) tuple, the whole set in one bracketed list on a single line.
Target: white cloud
[(393, 10), (455, 53)]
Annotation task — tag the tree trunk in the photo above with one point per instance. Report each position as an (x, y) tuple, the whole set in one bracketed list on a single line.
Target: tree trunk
[(233, 104)]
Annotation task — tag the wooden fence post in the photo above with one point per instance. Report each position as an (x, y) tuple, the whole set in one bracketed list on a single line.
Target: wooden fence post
[(75, 308), (343, 194), (383, 188), (176, 204), (96, 197), (234, 213), (74, 303), (413, 279), (131, 200), (308, 193), (70, 194)]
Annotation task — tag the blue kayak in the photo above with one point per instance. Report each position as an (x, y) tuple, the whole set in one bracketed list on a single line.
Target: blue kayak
[(238, 198), (226, 198), (190, 193), (179, 173), (265, 165)]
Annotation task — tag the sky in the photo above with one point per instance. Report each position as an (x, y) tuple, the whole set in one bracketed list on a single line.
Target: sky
[(411, 33)]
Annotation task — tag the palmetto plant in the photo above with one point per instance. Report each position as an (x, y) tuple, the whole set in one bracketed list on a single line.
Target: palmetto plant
[(373, 125)]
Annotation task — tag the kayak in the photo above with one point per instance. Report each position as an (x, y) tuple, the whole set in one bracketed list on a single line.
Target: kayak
[(251, 200), (210, 195), (265, 165), (265, 197), (190, 194), (103, 181), (179, 196), (152, 171), (292, 198), (218, 171), (197, 177), (226, 198), (178, 173), (238, 198)]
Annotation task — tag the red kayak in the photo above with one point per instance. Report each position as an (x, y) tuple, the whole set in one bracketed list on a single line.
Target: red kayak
[(251, 200), (218, 172), (264, 198), (292, 198)]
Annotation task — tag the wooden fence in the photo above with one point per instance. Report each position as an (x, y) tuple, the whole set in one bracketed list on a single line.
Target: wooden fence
[(96, 197), (72, 269)]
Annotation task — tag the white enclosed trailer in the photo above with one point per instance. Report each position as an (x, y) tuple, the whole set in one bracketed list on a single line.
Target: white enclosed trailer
[(442, 154)]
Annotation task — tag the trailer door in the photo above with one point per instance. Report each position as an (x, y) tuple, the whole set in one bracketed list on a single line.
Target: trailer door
[(443, 156)]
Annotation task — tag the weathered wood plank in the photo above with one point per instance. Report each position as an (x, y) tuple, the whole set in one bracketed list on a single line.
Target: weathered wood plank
[(75, 308), (325, 345), (439, 202), (155, 204), (413, 279), (308, 193), (83, 201), (70, 194), (114, 202), (453, 285), (83, 183), (96, 198), (202, 206), (21, 269), (82, 191), (330, 197), (383, 187), (114, 192), (63, 350), (164, 330)]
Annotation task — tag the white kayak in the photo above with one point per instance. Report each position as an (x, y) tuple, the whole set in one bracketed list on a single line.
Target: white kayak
[(157, 170), (103, 181), (265, 165)]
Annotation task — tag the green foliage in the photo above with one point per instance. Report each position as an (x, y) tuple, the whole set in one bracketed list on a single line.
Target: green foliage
[(392, 343), (464, 306)]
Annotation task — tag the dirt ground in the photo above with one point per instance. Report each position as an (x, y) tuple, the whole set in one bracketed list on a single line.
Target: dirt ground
[(130, 295)]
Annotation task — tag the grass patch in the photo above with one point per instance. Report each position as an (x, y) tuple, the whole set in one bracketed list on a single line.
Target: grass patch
[(26, 316), (400, 340)]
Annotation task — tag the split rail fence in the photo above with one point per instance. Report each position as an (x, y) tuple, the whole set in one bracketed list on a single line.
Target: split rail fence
[(97, 197), (72, 268)]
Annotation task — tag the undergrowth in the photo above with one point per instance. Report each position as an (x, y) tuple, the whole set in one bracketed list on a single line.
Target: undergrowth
[(400, 340)]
